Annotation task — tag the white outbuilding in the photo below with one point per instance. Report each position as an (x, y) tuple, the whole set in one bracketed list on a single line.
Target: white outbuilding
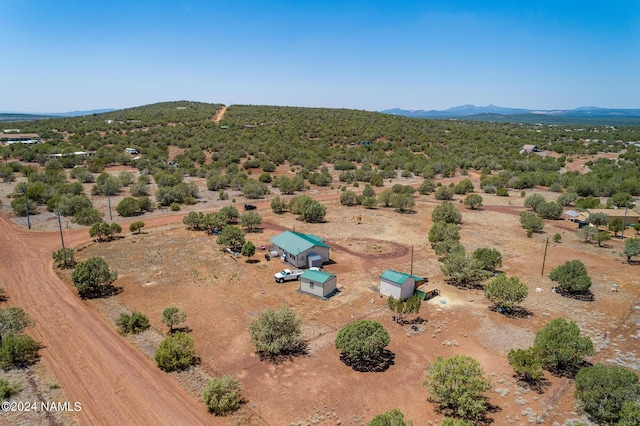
[(398, 284), (318, 283)]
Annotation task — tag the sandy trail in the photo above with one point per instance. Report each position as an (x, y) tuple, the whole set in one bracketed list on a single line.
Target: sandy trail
[(112, 380)]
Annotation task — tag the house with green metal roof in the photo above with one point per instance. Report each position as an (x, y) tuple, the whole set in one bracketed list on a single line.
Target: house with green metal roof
[(398, 284), (318, 283), (301, 250)]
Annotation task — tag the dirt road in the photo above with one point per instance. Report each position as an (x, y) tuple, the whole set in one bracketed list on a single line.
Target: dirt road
[(220, 114), (114, 383)]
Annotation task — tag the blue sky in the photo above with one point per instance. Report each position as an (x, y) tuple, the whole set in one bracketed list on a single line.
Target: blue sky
[(62, 55)]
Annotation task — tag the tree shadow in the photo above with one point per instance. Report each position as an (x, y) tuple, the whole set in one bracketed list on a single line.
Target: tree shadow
[(376, 365), (102, 291), (252, 261), (517, 312), (583, 297), (466, 285), (185, 329), (483, 419), (414, 321), (569, 371), (407, 211), (539, 386), (301, 350)]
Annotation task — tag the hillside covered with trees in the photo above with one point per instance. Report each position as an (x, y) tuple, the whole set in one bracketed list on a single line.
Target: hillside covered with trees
[(362, 144)]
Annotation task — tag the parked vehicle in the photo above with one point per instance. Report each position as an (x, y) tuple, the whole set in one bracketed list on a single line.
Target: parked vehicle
[(288, 275), (249, 207)]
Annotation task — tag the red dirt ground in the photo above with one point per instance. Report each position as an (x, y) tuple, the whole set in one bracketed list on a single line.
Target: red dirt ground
[(168, 265), (222, 296)]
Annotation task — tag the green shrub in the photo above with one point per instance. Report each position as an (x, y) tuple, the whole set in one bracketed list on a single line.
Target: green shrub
[(392, 417), (18, 351), (222, 395), (502, 192), (602, 390), (136, 226), (128, 207), (572, 277), (87, 216), (134, 323), (65, 258), (176, 352), (174, 207), (20, 207), (7, 390)]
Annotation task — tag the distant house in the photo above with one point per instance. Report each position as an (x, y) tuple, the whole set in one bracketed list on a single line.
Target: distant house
[(318, 283), (398, 284), (10, 138), (627, 216), (69, 154), (530, 148), (574, 216), (131, 151), (301, 250)]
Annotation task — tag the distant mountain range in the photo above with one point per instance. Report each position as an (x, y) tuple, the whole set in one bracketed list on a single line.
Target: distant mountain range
[(18, 116), (495, 113)]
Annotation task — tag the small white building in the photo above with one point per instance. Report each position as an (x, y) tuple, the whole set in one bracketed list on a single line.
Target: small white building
[(398, 284), (318, 283)]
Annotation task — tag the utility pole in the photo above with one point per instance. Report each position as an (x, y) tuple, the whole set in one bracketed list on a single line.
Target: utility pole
[(624, 221), (60, 225), (26, 206), (545, 255), (109, 200), (411, 260)]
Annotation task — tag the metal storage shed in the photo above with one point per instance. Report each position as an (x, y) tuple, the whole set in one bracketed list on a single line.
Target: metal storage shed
[(398, 284), (315, 260), (318, 283)]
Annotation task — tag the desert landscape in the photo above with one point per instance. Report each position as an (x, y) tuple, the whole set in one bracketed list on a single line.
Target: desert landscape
[(169, 265), (332, 213)]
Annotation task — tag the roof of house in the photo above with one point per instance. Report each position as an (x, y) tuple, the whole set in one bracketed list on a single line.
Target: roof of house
[(296, 242), (19, 136), (615, 212), (398, 277), (572, 213), (317, 276)]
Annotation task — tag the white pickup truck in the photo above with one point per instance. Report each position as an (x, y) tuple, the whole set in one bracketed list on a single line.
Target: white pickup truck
[(288, 275)]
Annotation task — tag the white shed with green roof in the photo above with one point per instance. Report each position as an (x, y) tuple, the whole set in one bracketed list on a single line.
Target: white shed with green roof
[(398, 284), (318, 283), (301, 250)]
